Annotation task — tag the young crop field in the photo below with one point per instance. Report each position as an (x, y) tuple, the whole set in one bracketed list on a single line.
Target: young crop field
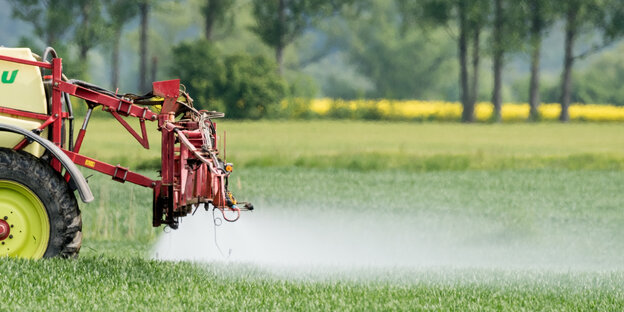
[(361, 216)]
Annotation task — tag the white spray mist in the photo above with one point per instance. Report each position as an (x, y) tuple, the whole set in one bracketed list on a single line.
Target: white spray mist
[(346, 239)]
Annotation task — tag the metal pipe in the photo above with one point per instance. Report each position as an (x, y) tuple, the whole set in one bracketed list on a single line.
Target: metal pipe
[(82, 131), (193, 150), (87, 117)]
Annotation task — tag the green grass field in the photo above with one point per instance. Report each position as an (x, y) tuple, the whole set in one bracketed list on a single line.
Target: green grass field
[(480, 217), (132, 284), (379, 145)]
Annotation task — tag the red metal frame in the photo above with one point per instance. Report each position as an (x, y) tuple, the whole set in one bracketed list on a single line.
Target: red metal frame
[(190, 174)]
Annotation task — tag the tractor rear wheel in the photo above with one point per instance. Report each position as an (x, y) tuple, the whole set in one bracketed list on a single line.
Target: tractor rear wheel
[(39, 214)]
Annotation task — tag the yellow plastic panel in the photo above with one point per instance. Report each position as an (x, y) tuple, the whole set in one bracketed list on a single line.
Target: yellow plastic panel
[(9, 140), (21, 86)]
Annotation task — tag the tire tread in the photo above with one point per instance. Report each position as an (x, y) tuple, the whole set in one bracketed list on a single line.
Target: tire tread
[(61, 205)]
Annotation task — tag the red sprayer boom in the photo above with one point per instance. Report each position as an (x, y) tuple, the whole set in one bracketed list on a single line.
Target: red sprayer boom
[(192, 171)]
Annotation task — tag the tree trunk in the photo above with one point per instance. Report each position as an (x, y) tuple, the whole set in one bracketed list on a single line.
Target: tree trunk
[(209, 19), (498, 60), (497, 100), (568, 62), (279, 59), (50, 39), (83, 43), (144, 12), (468, 109), (82, 54), (154, 68), (536, 46), (534, 92), (474, 87), (208, 29), (115, 59), (279, 49)]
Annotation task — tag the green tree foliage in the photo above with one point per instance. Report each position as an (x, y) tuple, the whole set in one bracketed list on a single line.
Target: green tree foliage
[(280, 22), (579, 16), (51, 20), (61, 23), (601, 81), (241, 85), (508, 32), (470, 17), (90, 32), (400, 64), (214, 11), (368, 48), (252, 87), (537, 16), (91, 29), (119, 12), (144, 12), (200, 68), (52, 24)]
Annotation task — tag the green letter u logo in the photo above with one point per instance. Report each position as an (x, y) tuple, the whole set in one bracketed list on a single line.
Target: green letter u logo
[(5, 76)]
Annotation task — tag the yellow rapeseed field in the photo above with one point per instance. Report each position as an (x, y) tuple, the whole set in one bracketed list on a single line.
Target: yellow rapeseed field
[(445, 111)]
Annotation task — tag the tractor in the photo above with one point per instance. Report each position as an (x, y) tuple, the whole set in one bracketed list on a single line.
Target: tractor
[(40, 154)]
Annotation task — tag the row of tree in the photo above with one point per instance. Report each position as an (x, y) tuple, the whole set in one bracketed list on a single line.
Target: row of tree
[(495, 28), (512, 23), (87, 24)]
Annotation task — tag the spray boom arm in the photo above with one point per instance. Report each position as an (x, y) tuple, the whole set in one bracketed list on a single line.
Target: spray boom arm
[(191, 170)]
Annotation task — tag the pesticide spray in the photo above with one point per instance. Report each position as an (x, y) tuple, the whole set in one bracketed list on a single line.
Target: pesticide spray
[(346, 240)]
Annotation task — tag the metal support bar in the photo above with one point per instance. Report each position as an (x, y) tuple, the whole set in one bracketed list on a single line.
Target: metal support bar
[(118, 173), (25, 62), (122, 106), (142, 139), (9, 111)]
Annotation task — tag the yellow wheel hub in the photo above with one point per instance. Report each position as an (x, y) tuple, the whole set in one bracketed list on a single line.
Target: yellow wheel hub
[(24, 223)]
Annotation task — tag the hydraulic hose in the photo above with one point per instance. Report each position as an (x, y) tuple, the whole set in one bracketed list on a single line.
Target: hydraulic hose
[(49, 50), (68, 105)]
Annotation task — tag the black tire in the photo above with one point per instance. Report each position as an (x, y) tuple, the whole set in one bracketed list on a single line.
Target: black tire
[(52, 190)]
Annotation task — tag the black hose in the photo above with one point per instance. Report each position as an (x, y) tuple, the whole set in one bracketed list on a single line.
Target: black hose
[(49, 50), (92, 87)]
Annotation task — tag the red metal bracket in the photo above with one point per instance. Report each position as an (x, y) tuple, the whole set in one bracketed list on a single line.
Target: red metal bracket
[(170, 91), (120, 174), (124, 108), (142, 139), (25, 142)]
